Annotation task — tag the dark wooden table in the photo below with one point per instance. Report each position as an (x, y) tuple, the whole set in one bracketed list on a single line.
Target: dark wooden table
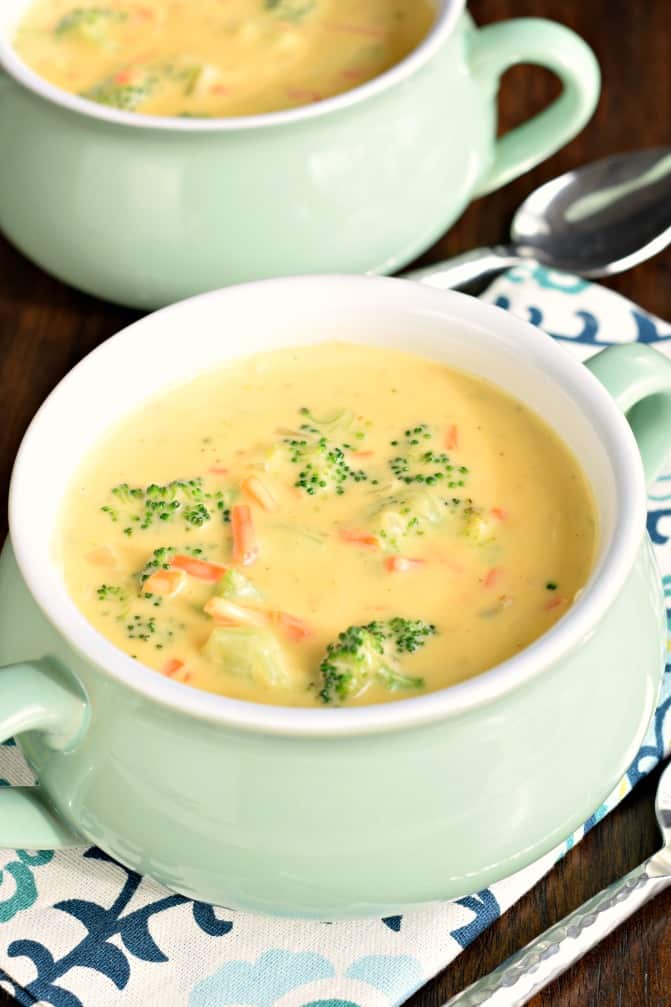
[(45, 328)]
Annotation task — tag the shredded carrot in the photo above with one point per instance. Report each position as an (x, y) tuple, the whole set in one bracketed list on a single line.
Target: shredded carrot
[(198, 568), (362, 454), (452, 438), (259, 492), (172, 666), (359, 537), (303, 94), (218, 470), (553, 603), (492, 577), (291, 625), (401, 564), (103, 556), (353, 74), (245, 546), (229, 613), (500, 513), (165, 582)]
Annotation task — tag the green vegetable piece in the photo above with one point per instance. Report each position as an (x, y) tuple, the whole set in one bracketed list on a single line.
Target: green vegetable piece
[(250, 653), (418, 459), (112, 592), (90, 23), (478, 526), (186, 500), (290, 10), (127, 95), (237, 587), (364, 654), (323, 464), (407, 514), (338, 420)]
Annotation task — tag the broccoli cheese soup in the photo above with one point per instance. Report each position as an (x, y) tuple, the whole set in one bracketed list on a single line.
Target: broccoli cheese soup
[(336, 524), (218, 57)]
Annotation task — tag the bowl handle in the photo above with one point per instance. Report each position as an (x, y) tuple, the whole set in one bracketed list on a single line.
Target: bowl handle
[(494, 49), (639, 379), (36, 697)]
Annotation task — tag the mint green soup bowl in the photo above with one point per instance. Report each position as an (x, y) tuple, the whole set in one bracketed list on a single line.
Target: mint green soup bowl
[(333, 813), (145, 210)]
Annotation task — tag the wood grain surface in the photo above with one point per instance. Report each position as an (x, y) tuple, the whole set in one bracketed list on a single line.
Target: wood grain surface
[(46, 327)]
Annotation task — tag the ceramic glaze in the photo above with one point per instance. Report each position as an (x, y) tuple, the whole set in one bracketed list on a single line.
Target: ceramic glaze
[(377, 486), (242, 57)]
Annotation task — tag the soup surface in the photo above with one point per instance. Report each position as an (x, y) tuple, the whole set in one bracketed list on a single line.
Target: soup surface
[(325, 525), (208, 58)]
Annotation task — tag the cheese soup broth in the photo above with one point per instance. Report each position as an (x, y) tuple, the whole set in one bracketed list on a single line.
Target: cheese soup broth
[(315, 489), (218, 57)]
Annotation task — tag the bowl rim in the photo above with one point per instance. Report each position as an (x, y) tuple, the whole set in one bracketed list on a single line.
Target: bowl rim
[(580, 620), (446, 18)]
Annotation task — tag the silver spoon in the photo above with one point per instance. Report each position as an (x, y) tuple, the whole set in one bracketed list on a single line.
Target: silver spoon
[(599, 219), (530, 970)]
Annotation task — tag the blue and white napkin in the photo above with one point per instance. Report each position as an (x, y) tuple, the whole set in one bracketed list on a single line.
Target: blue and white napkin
[(79, 930)]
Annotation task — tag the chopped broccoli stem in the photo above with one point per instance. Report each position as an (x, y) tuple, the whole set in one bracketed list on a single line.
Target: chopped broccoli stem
[(249, 652), (237, 587), (364, 654)]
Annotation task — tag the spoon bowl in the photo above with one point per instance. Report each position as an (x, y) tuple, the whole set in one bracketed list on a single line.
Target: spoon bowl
[(600, 219)]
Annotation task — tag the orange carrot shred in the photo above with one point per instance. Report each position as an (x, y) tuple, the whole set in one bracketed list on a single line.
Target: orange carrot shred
[(553, 603), (492, 577), (172, 666), (199, 568), (291, 625), (359, 537), (452, 438), (245, 546), (218, 470), (362, 454), (401, 564), (165, 582), (259, 492), (500, 513)]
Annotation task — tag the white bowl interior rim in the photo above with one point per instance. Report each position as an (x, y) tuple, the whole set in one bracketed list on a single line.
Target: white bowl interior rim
[(288, 312), (448, 12)]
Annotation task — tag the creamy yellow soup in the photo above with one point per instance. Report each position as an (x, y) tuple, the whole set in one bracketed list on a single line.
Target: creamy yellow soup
[(208, 58), (329, 525)]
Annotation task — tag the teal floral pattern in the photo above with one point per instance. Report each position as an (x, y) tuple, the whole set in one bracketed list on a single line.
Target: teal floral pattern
[(77, 929)]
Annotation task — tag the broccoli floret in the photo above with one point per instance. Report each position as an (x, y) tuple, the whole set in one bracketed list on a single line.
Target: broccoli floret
[(90, 23), (409, 513), (418, 460), (112, 592), (186, 499), (125, 90), (323, 463), (364, 654), (290, 10)]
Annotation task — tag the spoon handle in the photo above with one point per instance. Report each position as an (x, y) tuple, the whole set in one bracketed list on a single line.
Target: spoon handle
[(477, 264), (528, 971)]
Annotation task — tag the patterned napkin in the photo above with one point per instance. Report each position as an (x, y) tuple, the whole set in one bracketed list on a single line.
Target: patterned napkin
[(78, 930)]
